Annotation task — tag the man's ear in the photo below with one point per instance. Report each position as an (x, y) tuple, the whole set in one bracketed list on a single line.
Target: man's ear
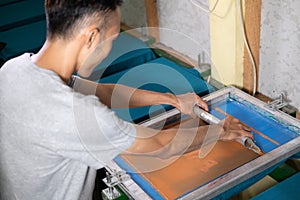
[(93, 37)]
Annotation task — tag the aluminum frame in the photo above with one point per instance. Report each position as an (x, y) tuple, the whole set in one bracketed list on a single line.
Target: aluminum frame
[(242, 173)]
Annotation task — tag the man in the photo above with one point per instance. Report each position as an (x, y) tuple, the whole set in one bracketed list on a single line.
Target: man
[(54, 139)]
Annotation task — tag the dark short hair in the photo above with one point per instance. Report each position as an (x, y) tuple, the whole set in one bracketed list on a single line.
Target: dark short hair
[(64, 17)]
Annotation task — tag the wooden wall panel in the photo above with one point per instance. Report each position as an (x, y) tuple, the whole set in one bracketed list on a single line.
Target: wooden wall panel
[(252, 29), (152, 18)]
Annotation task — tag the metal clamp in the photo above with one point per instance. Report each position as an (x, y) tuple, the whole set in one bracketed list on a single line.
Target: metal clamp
[(111, 180), (115, 178), (278, 103)]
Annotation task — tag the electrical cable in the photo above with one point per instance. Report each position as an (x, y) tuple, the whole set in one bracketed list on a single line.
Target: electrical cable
[(247, 45), (202, 7)]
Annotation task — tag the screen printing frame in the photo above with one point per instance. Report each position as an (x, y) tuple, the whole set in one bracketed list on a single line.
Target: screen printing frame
[(240, 174)]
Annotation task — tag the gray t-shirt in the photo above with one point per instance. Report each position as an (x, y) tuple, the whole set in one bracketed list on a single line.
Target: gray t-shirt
[(52, 139)]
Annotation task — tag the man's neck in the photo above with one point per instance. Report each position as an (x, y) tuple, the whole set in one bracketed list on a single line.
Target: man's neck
[(58, 57)]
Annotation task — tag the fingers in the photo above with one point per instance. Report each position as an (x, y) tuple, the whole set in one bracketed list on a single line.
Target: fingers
[(186, 103), (193, 115), (201, 103), (241, 124), (231, 135), (235, 120), (235, 129), (244, 133), (246, 128), (247, 134)]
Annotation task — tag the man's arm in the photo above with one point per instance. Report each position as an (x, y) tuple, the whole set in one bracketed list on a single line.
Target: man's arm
[(174, 142), (121, 96)]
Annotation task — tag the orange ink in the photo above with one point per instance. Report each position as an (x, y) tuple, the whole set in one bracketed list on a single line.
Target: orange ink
[(188, 171)]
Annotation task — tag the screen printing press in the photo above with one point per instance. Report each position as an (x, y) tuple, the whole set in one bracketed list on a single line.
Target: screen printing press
[(228, 168)]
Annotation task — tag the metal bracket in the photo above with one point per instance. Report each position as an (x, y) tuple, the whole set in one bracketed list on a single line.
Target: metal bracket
[(110, 194), (202, 66), (278, 103), (111, 180)]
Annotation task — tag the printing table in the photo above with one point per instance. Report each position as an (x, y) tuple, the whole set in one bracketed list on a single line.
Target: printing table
[(274, 131)]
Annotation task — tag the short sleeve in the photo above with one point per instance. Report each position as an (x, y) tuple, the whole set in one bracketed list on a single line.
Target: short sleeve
[(99, 135)]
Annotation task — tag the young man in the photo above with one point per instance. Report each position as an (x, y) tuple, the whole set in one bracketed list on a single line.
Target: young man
[(52, 139)]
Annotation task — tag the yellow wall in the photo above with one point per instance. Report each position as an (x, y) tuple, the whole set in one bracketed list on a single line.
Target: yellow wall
[(227, 47)]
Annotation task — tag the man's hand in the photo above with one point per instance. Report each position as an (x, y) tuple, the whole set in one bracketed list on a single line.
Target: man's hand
[(186, 103), (233, 129)]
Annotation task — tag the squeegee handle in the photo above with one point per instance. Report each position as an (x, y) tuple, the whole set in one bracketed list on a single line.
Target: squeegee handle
[(206, 116)]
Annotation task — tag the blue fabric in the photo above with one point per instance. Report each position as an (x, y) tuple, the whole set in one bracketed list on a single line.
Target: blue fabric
[(264, 124), (126, 53), (28, 38), (287, 189), (21, 13), (160, 75)]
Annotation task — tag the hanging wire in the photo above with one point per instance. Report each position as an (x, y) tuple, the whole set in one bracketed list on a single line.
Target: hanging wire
[(203, 7)]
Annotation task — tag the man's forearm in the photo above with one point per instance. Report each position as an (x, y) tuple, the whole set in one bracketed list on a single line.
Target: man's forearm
[(121, 96), (172, 142), (189, 139)]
